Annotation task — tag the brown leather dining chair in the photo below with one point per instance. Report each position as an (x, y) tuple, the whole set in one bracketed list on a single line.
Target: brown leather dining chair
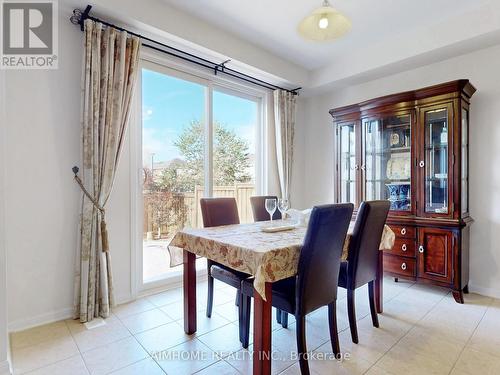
[(315, 284), (259, 208), (217, 212), (362, 262)]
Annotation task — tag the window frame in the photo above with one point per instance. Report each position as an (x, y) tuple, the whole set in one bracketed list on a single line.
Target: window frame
[(182, 70)]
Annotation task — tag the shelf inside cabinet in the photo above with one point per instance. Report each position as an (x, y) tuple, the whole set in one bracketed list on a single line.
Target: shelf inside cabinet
[(399, 149), (436, 178), (390, 181), (393, 126), (442, 146), (437, 120), (388, 151), (438, 210)]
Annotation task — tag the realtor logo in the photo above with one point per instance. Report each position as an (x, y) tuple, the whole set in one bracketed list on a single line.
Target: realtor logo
[(28, 34)]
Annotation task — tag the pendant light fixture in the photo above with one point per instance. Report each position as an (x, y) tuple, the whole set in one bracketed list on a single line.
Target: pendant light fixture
[(324, 24)]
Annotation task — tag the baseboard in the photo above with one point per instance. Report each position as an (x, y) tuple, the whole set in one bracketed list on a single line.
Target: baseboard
[(54, 316), (67, 313), (5, 368), (50, 317), (488, 292), (124, 298)]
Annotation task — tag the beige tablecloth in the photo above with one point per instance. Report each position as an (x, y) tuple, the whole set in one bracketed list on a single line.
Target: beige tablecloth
[(268, 257)]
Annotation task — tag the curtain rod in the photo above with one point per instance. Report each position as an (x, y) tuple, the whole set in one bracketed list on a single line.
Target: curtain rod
[(79, 17)]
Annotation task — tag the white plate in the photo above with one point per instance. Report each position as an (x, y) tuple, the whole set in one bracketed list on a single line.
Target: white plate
[(280, 228)]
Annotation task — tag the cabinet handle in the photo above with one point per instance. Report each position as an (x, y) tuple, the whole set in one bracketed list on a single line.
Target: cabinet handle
[(356, 167), (403, 231), (363, 167), (403, 247), (421, 164), (403, 266), (420, 249)]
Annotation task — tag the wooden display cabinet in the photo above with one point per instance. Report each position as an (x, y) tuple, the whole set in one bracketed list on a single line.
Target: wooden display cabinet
[(412, 148)]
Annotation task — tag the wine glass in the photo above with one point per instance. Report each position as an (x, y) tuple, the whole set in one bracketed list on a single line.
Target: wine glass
[(283, 206), (271, 207)]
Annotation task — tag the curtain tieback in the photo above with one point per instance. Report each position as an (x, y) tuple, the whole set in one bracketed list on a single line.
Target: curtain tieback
[(104, 231)]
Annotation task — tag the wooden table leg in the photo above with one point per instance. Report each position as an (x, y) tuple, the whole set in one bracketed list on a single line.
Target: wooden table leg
[(189, 281), (379, 284), (262, 333)]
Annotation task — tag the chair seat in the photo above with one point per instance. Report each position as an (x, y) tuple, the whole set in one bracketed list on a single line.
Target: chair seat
[(283, 293), (343, 275), (228, 275)]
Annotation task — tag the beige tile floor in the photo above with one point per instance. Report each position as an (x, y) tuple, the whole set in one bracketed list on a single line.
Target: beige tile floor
[(422, 331)]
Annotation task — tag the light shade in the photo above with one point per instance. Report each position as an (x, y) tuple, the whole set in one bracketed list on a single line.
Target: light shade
[(325, 23)]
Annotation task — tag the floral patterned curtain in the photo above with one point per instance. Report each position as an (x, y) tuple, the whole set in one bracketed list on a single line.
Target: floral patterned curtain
[(110, 69), (284, 123)]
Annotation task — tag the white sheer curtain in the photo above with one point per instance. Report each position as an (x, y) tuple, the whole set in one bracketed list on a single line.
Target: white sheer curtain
[(110, 71), (284, 124)]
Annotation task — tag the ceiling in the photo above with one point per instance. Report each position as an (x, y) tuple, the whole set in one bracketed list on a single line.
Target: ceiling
[(272, 25)]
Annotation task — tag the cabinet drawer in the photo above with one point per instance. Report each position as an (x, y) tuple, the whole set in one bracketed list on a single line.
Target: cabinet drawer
[(403, 246), (399, 265), (403, 231)]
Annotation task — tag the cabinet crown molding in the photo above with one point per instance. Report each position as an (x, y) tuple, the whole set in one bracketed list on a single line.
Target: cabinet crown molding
[(405, 100)]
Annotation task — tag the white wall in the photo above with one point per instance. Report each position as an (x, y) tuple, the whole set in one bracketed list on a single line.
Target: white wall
[(41, 208), (160, 19), (472, 30), (316, 151), (4, 364)]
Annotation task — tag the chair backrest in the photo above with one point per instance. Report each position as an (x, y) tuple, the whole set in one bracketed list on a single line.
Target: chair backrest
[(259, 208), (365, 242), (319, 262), (219, 211)]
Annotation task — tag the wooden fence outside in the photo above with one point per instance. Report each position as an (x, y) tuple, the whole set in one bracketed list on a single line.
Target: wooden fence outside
[(242, 193)]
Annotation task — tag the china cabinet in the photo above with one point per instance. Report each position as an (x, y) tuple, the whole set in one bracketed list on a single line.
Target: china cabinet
[(412, 149)]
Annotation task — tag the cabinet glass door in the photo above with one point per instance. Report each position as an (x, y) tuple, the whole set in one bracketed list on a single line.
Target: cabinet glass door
[(387, 160), (436, 135), (348, 167), (465, 162)]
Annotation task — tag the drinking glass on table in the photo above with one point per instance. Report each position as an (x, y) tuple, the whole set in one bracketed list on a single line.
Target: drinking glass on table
[(283, 206), (271, 207)]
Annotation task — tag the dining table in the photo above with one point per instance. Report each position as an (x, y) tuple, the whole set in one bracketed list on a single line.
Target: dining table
[(266, 255)]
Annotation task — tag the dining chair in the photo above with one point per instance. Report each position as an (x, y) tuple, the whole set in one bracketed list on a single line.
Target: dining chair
[(362, 261), (315, 284), (217, 212), (258, 204), (259, 208)]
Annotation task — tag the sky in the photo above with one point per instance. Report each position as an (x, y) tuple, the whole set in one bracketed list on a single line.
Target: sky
[(169, 104)]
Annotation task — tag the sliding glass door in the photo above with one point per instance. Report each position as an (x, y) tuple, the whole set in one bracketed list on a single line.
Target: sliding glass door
[(198, 140), (235, 120)]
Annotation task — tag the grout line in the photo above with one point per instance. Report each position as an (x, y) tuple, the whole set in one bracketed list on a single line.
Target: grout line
[(112, 342), (407, 332), (224, 360), (130, 364), (77, 347), (238, 371), (149, 329), (470, 336), (106, 344)]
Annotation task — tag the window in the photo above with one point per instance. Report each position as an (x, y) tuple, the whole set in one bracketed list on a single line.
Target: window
[(198, 140), (234, 137)]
